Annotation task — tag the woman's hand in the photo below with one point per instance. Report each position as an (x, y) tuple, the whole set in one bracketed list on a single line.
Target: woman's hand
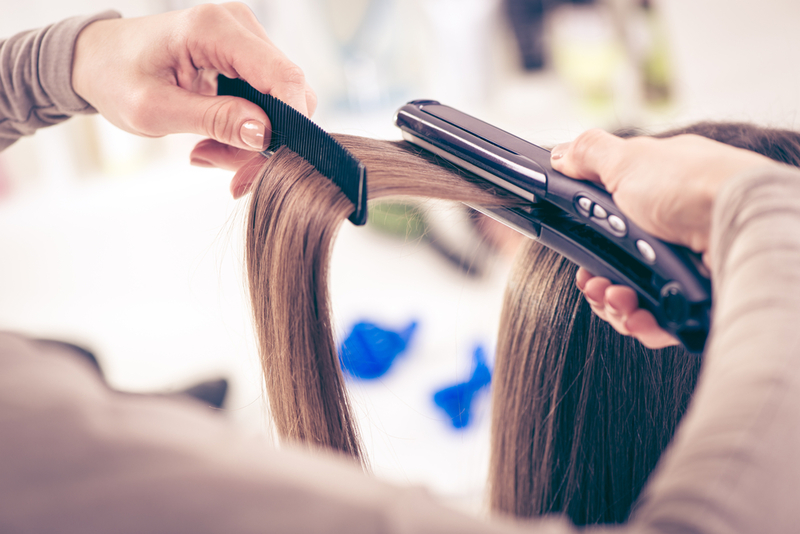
[(619, 306), (246, 164), (156, 75), (667, 187)]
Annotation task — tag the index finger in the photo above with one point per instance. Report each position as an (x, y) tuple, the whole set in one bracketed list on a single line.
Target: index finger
[(265, 67), (218, 40), (246, 17)]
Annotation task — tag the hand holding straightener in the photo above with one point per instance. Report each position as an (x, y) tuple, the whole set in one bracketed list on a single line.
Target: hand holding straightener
[(667, 187)]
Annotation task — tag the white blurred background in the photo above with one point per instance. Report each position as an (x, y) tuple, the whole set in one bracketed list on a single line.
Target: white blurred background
[(115, 242)]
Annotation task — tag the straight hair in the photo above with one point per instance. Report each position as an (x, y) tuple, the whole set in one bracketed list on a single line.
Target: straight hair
[(581, 413), (295, 214)]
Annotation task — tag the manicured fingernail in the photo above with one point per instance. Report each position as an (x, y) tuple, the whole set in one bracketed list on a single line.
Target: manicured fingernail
[(199, 162), (559, 151), (252, 133)]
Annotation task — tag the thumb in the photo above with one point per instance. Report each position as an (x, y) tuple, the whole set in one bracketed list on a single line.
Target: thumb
[(227, 119), (589, 157)]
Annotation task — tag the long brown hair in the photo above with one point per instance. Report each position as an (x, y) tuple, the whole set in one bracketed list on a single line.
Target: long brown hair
[(294, 216), (581, 414)]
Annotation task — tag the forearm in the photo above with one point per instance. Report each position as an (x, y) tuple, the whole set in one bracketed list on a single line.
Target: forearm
[(732, 466), (36, 78)]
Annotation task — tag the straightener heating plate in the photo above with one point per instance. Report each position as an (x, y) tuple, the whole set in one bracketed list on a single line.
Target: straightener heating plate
[(452, 158)]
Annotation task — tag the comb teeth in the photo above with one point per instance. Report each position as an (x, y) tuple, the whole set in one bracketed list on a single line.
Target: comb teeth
[(293, 130)]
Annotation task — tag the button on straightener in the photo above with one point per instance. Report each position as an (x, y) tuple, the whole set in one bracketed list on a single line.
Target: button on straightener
[(575, 218)]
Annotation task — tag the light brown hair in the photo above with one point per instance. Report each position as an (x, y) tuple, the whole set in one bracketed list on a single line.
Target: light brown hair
[(581, 413), (294, 216)]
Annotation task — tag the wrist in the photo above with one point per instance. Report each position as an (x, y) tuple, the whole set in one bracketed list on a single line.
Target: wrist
[(724, 164), (85, 58)]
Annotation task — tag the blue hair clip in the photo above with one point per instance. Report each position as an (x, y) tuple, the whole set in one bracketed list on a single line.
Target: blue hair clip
[(456, 400), (369, 350)]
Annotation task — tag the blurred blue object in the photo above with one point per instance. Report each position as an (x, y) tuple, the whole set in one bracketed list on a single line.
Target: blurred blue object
[(369, 351), (456, 400)]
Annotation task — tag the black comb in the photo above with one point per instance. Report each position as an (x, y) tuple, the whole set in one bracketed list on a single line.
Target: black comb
[(293, 130)]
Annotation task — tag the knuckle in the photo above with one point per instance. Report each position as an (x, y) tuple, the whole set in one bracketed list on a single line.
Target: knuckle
[(583, 145), (291, 73), (599, 312), (203, 14), (641, 143), (215, 123), (219, 120), (311, 97), (238, 9)]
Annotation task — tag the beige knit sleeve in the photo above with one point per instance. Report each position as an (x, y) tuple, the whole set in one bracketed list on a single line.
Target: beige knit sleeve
[(733, 465), (36, 78)]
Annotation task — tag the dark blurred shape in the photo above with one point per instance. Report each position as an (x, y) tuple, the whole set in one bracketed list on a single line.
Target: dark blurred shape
[(83, 352), (211, 392), (527, 20)]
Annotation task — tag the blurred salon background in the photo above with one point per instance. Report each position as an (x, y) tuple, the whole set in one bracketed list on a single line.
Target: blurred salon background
[(115, 243)]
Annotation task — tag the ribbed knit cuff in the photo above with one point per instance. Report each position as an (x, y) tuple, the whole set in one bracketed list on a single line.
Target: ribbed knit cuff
[(55, 62)]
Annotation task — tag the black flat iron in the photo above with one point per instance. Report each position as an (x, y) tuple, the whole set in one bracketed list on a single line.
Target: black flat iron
[(578, 219)]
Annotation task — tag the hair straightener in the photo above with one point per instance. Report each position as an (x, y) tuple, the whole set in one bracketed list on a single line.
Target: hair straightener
[(578, 219)]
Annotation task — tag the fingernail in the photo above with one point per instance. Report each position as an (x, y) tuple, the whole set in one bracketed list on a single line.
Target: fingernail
[(559, 151), (252, 133), (199, 162)]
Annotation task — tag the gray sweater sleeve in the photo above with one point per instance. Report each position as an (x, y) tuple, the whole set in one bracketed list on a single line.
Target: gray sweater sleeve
[(36, 78), (733, 465)]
